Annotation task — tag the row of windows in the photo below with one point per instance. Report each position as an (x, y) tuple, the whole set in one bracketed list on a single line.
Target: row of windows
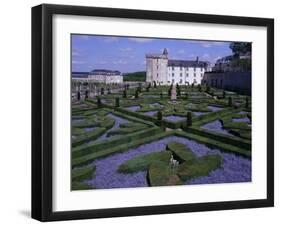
[(182, 74), (181, 81), (173, 68)]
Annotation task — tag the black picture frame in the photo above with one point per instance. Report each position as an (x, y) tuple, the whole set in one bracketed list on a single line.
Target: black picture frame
[(42, 107)]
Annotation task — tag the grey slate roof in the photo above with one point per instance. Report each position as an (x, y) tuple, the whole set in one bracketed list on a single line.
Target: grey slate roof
[(187, 63), (105, 72), (83, 74)]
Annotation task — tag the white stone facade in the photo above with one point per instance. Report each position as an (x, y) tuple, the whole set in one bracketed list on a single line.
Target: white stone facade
[(163, 71), (105, 76)]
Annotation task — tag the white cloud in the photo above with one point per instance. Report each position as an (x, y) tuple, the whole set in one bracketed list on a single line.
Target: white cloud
[(140, 40)]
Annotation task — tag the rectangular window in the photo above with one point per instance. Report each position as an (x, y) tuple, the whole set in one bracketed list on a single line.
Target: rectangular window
[(172, 74), (194, 74), (172, 68), (186, 74), (180, 74), (180, 81)]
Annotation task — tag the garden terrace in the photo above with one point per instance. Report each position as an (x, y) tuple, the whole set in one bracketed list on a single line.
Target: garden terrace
[(131, 134)]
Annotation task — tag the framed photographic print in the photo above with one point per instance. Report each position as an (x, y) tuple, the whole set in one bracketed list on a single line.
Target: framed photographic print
[(146, 112)]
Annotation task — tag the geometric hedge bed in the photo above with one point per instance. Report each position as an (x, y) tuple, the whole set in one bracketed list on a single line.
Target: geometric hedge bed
[(124, 127)]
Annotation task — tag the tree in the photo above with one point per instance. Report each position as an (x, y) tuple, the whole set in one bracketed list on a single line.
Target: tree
[(102, 91), (240, 47), (117, 103), (154, 84), (178, 91), (124, 93), (188, 119), (247, 102), (86, 94), (147, 89), (161, 95), (230, 101), (78, 95), (137, 94), (169, 92), (99, 101), (159, 116)]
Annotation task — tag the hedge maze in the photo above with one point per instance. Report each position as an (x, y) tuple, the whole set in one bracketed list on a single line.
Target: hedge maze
[(138, 137)]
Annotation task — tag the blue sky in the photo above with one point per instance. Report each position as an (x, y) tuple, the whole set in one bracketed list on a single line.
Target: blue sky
[(127, 54)]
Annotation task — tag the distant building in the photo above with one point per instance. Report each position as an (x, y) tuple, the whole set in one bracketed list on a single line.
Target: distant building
[(106, 76), (163, 71), (223, 64), (82, 76), (240, 82), (99, 76)]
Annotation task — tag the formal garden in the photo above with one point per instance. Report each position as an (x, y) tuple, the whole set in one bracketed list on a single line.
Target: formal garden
[(150, 135)]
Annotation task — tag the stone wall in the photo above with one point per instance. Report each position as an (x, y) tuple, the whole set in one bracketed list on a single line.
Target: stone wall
[(235, 81)]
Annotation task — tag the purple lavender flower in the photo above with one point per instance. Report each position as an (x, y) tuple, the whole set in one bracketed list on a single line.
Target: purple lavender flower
[(174, 118), (246, 119), (234, 168), (198, 113), (118, 122), (216, 126), (133, 108), (214, 108), (150, 113)]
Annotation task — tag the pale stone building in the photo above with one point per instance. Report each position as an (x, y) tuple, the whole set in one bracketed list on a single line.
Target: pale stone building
[(105, 76), (163, 71)]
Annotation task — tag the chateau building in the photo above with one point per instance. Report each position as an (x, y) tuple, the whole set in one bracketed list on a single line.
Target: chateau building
[(99, 76), (106, 76), (163, 71)]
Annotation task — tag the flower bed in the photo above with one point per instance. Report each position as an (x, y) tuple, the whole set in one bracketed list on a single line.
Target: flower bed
[(107, 175), (174, 118), (216, 126)]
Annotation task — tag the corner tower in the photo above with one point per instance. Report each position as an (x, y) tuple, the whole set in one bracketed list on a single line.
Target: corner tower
[(157, 68)]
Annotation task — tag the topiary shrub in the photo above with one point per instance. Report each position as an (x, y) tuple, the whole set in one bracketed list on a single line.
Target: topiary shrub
[(230, 101), (99, 101), (102, 91), (78, 95), (154, 84), (86, 94), (247, 102), (159, 116), (117, 102), (169, 92), (124, 93), (180, 152), (161, 95), (188, 119), (223, 94), (137, 94)]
